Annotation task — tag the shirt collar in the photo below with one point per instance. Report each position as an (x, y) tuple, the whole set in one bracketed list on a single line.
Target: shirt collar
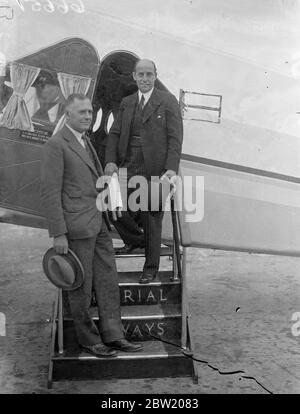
[(77, 134), (146, 95)]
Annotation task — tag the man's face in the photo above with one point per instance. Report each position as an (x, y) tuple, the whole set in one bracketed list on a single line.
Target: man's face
[(79, 115), (144, 75)]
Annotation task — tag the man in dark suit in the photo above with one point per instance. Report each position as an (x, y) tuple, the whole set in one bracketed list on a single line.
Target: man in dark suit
[(70, 169), (146, 138)]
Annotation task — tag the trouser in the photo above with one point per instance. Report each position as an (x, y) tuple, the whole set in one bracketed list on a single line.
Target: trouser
[(100, 275), (152, 224), (129, 228), (151, 221)]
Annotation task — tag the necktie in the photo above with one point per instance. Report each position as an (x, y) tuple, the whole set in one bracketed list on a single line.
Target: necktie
[(142, 102)]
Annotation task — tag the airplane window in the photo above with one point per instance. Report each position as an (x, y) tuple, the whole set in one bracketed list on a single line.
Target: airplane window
[(110, 120), (45, 102), (198, 106), (43, 99), (98, 120)]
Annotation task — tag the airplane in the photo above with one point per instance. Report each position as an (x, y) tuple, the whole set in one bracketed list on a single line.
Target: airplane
[(239, 110), (249, 163)]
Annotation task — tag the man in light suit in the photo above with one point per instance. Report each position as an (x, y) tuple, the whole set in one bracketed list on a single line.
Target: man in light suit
[(146, 138), (70, 169)]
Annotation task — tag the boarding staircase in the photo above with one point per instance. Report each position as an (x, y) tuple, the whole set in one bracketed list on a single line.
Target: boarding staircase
[(155, 314)]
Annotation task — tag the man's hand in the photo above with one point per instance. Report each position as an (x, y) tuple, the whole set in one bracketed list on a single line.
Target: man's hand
[(60, 244), (171, 177), (170, 174), (110, 168), (117, 213)]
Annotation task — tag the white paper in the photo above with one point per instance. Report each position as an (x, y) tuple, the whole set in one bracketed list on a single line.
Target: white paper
[(115, 193)]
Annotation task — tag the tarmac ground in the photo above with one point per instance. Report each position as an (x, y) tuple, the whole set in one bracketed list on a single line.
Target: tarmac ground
[(244, 310)]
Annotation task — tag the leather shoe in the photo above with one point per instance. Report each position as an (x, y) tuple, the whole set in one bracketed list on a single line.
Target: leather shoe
[(100, 350), (127, 248), (122, 250), (124, 345), (147, 277)]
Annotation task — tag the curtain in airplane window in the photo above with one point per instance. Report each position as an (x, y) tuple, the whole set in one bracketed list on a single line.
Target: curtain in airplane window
[(16, 114), (71, 84)]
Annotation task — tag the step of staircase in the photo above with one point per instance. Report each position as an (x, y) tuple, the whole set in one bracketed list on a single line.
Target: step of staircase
[(156, 360), (164, 277), (152, 322), (165, 251), (145, 322), (163, 290), (151, 314)]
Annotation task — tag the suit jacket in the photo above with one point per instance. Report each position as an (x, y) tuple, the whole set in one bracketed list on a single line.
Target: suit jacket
[(161, 133), (68, 187)]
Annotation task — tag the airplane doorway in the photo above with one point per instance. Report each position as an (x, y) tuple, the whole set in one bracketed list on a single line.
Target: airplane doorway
[(114, 83)]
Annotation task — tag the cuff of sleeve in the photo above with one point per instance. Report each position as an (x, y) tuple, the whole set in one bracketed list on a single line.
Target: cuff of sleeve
[(172, 166), (57, 229)]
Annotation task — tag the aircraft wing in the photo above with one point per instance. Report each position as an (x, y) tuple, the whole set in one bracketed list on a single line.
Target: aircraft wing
[(239, 208)]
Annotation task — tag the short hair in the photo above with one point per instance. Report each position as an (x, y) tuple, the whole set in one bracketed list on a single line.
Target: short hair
[(71, 98), (139, 60)]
